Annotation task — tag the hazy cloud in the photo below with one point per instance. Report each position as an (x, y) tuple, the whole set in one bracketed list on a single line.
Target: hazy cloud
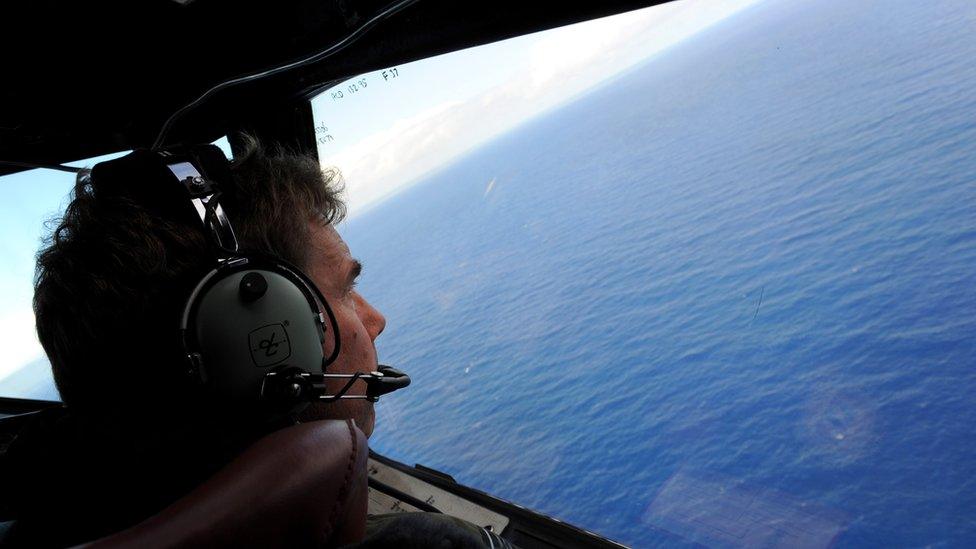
[(560, 64)]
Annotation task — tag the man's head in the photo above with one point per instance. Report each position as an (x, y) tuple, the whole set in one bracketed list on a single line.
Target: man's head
[(112, 281)]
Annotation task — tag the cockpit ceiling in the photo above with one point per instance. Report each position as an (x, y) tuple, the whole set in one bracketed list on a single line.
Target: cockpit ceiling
[(87, 78)]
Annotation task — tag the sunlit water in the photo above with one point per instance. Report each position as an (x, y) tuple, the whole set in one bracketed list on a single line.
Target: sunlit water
[(725, 298)]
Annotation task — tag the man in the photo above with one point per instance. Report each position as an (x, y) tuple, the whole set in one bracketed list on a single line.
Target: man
[(134, 434)]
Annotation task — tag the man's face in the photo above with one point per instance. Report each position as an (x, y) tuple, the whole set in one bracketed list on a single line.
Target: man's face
[(334, 271)]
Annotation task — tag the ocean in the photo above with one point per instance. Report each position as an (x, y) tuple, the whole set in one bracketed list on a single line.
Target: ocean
[(726, 298)]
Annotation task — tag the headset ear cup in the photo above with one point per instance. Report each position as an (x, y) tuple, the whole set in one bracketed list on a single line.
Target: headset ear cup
[(251, 319), (317, 301)]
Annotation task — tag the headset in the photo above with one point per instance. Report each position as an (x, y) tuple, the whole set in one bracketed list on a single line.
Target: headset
[(254, 329)]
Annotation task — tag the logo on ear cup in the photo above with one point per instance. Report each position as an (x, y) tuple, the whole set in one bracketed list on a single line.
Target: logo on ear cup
[(269, 345)]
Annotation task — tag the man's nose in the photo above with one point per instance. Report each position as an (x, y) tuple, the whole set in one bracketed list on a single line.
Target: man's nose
[(375, 321)]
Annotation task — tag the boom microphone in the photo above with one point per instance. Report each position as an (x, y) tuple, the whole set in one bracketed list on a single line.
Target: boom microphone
[(294, 385)]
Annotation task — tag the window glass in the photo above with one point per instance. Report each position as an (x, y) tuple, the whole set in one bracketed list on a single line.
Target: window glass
[(33, 197), (697, 274)]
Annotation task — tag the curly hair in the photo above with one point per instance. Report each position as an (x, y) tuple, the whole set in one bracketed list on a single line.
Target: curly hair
[(112, 277)]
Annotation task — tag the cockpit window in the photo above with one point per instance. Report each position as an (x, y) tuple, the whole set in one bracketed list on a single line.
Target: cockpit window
[(695, 274)]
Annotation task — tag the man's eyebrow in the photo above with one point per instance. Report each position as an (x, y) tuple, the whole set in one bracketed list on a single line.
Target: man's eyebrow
[(354, 272)]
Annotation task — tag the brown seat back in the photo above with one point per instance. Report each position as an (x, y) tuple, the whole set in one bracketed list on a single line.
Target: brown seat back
[(301, 486)]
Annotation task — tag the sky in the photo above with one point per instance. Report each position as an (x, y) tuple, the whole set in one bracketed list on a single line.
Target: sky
[(386, 134)]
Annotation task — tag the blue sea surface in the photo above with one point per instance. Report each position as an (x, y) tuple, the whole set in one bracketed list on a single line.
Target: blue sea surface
[(727, 298)]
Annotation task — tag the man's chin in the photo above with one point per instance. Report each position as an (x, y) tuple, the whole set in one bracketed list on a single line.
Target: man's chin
[(360, 411)]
